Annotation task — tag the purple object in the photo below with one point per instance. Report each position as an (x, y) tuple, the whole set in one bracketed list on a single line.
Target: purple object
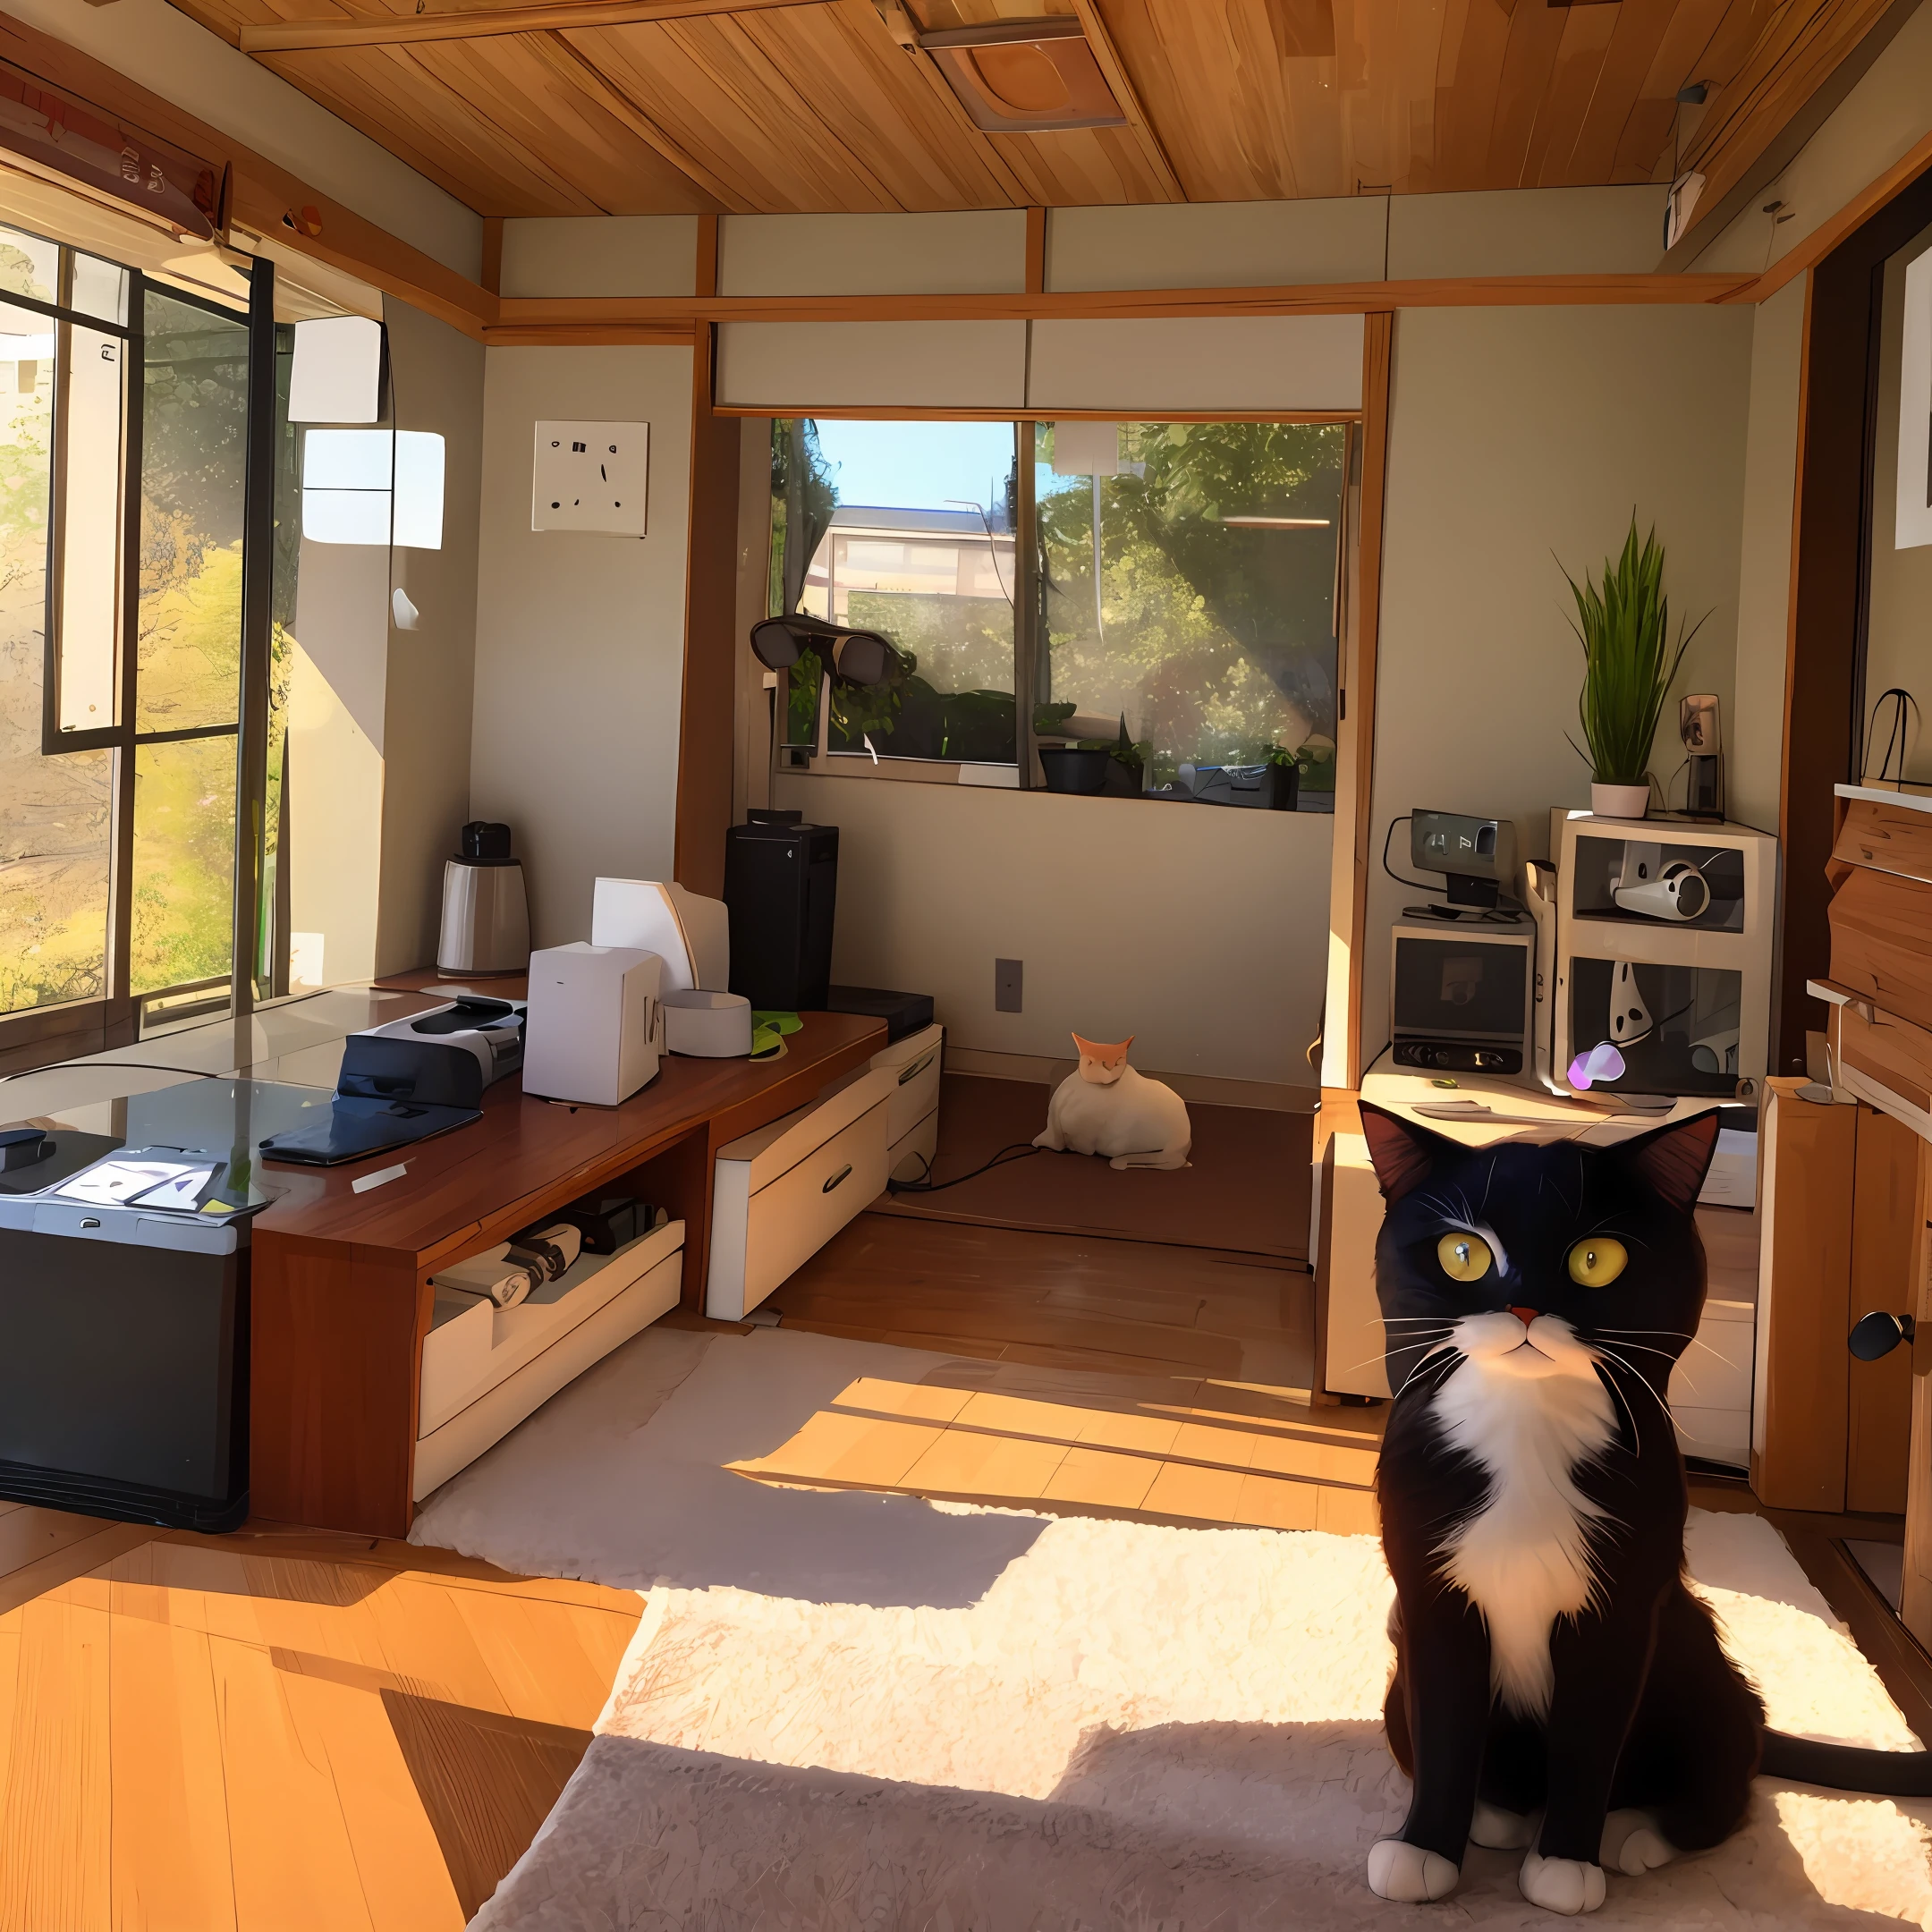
[(1602, 1062)]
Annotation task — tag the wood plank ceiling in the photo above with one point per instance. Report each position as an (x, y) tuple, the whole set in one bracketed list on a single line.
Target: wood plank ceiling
[(814, 106)]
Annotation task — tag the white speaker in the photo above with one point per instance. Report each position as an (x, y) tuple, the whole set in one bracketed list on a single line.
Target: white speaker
[(593, 1029)]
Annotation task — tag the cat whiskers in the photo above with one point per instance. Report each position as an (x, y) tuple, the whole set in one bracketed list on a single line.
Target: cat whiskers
[(1630, 1415), (1428, 1342), (1604, 1348), (1674, 1334)]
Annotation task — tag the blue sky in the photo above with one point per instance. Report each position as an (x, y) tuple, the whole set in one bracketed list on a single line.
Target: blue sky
[(918, 466)]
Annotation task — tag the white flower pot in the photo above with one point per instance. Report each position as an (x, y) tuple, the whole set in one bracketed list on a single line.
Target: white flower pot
[(1620, 801)]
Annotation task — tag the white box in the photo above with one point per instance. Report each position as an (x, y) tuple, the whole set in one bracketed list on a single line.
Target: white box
[(594, 1028)]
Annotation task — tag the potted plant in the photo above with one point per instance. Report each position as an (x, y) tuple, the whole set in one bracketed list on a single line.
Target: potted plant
[(1281, 777), (1629, 666)]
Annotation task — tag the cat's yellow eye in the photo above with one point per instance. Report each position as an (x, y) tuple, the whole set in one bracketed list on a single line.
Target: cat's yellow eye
[(1463, 1257), (1597, 1262)]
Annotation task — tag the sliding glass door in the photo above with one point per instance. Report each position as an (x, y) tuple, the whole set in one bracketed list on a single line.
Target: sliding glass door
[(125, 411)]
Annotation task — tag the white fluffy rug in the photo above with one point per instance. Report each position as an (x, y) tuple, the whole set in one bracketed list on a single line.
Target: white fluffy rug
[(1123, 1727), (622, 1479)]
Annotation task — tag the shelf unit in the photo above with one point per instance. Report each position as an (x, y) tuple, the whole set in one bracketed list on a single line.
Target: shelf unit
[(1733, 937)]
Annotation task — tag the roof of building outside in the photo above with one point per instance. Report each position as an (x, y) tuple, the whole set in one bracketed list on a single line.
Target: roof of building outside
[(935, 523)]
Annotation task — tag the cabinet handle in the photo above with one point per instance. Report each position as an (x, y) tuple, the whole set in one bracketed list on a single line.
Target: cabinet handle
[(836, 1178), (915, 1070)]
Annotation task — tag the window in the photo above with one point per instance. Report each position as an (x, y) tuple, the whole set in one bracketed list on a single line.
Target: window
[(123, 417), (1166, 590), (905, 529)]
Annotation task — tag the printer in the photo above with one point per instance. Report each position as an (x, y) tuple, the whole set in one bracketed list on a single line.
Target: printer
[(410, 1079)]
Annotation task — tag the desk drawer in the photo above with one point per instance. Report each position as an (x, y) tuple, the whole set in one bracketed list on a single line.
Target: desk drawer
[(914, 1064), (911, 1155), (760, 1236), (1881, 941), (1889, 838)]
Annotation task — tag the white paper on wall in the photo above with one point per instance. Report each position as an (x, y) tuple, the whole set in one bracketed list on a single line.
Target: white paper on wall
[(591, 476), (335, 376), (1914, 517)]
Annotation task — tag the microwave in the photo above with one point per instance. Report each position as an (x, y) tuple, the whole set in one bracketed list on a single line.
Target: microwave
[(1461, 998)]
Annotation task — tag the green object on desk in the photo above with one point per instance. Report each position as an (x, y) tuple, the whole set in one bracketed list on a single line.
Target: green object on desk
[(769, 1030)]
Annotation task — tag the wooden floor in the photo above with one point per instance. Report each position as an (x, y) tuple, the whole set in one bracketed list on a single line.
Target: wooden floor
[(1059, 1300), (278, 1730), (284, 1730)]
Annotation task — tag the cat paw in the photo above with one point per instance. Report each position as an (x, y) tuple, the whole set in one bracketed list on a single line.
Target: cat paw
[(1632, 1844), (1409, 1874), (1561, 1884), (1500, 1830)]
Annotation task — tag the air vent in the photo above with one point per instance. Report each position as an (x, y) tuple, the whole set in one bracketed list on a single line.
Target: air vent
[(1025, 76)]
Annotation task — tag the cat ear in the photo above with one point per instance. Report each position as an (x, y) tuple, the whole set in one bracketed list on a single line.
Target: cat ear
[(1403, 1153), (1674, 1159)]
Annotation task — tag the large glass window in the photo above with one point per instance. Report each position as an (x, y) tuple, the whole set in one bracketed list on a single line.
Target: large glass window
[(1165, 590), (1187, 592), (56, 812), (904, 528), (122, 461)]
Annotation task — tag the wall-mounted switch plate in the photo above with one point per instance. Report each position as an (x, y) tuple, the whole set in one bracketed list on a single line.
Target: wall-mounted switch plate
[(1006, 983), (591, 476)]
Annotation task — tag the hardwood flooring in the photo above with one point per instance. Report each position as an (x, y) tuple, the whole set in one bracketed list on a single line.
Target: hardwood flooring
[(1065, 1300), (278, 1730), (1245, 1189)]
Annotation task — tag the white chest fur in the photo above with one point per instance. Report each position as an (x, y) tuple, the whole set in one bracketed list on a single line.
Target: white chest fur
[(1524, 1559)]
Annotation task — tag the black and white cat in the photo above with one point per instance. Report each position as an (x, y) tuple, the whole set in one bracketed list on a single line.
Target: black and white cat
[(1549, 1658)]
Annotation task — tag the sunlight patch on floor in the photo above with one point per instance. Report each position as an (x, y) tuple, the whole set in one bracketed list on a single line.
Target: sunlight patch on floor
[(1199, 1453)]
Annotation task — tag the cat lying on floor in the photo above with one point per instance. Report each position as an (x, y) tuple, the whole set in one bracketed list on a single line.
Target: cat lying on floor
[(1107, 1108), (1550, 1657)]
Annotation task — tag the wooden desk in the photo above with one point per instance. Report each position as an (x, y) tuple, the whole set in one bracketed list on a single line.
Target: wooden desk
[(341, 1298)]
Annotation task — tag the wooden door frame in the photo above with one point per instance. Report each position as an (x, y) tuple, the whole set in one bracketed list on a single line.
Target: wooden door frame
[(1829, 610), (1348, 888)]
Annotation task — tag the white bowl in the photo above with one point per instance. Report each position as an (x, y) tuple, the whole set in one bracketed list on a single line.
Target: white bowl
[(711, 1026)]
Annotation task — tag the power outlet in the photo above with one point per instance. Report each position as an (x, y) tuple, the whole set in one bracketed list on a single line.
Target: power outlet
[(591, 476), (1006, 985)]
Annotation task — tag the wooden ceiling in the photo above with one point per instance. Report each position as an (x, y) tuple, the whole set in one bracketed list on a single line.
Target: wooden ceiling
[(646, 106)]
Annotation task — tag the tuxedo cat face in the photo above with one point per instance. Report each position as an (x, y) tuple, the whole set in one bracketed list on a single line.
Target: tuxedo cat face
[(1102, 1065), (1536, 1259)]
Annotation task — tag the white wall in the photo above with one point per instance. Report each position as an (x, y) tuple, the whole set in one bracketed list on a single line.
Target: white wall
[(430, 677), (1357, 238), (600, 255), (1885, 116), (1520, 439), (975, 251), (1754, 731), (1899, 641), (1201, 931), (163, 50), (580, 639)]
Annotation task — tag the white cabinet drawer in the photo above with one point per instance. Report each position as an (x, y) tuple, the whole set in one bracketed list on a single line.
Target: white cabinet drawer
[(760, 1234), (473, 1345), (911, 1156), (914, 1064)]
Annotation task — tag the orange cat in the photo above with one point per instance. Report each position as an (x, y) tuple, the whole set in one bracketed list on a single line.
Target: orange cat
[(1110, 1109)]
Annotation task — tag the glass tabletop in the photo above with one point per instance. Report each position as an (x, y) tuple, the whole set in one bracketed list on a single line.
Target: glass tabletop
[(226, 1119)]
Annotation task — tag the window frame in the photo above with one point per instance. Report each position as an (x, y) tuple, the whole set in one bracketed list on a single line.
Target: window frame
[(821, 762), (114, 1016)]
